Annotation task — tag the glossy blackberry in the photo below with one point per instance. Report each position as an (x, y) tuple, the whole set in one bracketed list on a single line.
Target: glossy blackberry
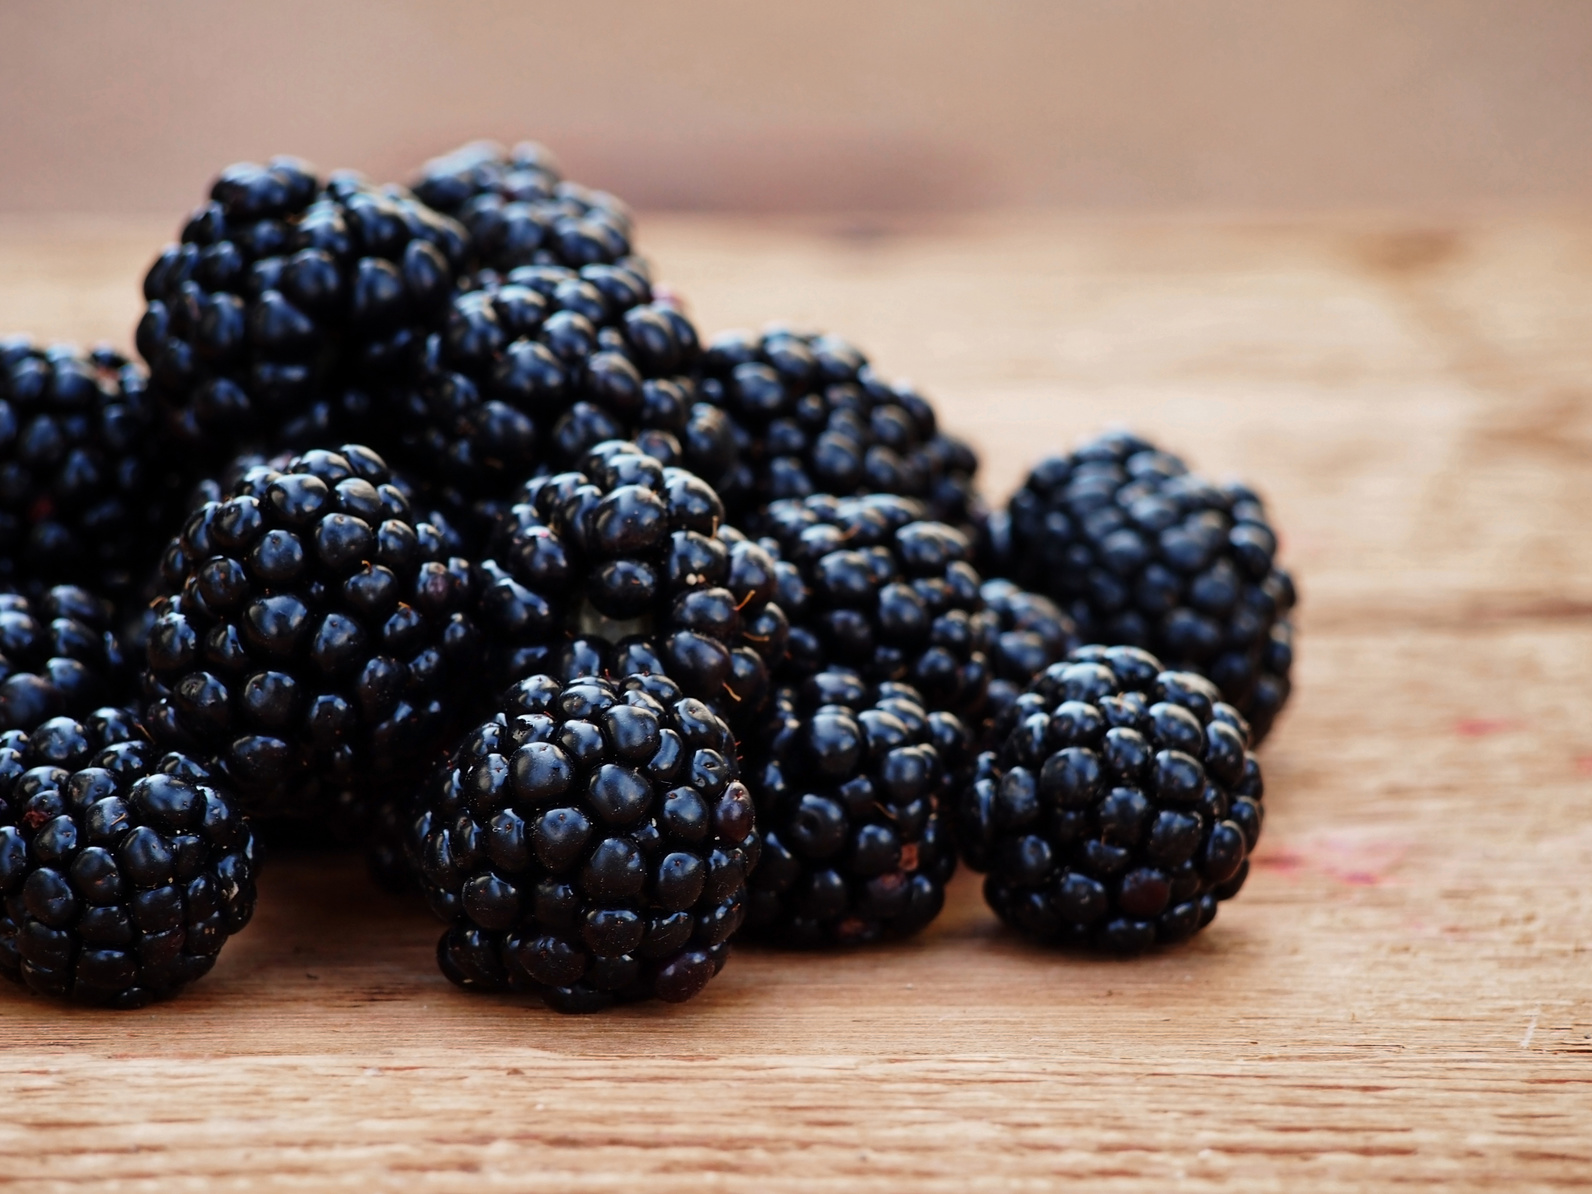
[(83, 495), (811, 416), (849, 782), (1140, 551), (58, 657), (287, 294), (876, 588), (519, 210), (123, 870), (320, 638), (1120, 807), (530, 371), (589, 844), (630, 547), (1031, 633)]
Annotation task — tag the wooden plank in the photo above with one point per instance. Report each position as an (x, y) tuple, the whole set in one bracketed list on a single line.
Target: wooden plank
[(1401, 995)]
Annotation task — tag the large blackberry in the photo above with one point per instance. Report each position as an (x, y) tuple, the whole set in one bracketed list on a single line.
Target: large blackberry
[(1140, 551), (283, 293), (589, 844), (320, 637), (628, 546), (123, 870), (82, 492), (811, 416), (848, 783), (520, 211), (58, 657), (531, 371), (1120, 807), (1031, 633), (876, 588)]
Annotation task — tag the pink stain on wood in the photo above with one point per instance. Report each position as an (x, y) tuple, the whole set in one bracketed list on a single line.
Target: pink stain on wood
[(1583, 764), (1481, 727), (1351, 859)]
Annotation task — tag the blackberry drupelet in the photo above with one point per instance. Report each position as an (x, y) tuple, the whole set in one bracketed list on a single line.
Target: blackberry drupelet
[(811, 416), (589, 844), (630, 547), (58, 657), (83, 493), (320, 639), (529, 372), (876, 588), (848, 783), (1031, 634), (519, 210), (1120, 807), (1142, 552), (286, 299), (123, 870)]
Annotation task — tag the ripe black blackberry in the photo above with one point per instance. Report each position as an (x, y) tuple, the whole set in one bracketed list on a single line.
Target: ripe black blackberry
[(529, 372), (1142, 552), (811, 416), (1120, 807), (630, 547), (848, 783), (123, 870), (876, 588), (1031, 634), (288, 296), (519, 210), (320, 638), (589, 844), (83, 494), (58, 657)]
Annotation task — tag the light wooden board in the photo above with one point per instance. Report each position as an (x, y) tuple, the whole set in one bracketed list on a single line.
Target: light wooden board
[(1402, 996)]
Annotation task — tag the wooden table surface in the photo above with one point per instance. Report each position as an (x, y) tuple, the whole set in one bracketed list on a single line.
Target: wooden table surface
[(1402, 996)]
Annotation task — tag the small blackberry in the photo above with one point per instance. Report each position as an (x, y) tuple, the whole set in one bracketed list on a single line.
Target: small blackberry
[(629, 546), (811, 416), (877, 589), (320, 638), (848, 784), (82, 494), (58, 657), (1031, 634), (530, 372), (123, 870), (520, 211), (1142, 552), (589, 844), (1120, 807), (283, 293)]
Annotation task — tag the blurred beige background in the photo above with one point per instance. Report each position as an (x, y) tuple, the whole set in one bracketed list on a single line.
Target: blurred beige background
[(1232, 105)]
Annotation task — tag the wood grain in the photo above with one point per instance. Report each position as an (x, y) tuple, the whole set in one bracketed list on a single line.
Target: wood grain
[(1402, 996)]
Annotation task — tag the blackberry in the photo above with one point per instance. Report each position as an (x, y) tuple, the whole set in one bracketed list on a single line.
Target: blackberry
[(286, 298), (123, 870), (320, 638), (1142, 552), (520, 211), (83, 496), (876, 588), (1120, 807), (58, 657), (630, 547), (811, 416), (1031, 634), (848, 786), (589, 844), (530, 371)]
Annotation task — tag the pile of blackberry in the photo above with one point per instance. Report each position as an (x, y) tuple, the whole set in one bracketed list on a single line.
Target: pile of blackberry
[(1120, 807), (434, 528), (589, 844), (1140, 551), (123, 870), (811, 416)]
